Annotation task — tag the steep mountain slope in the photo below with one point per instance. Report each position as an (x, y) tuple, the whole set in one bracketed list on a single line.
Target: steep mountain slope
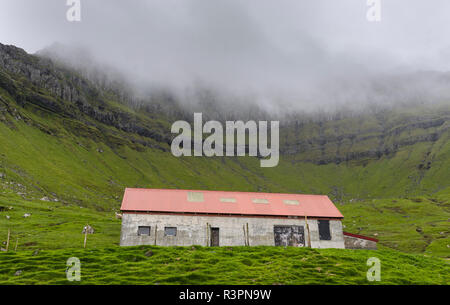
[(66, 138)]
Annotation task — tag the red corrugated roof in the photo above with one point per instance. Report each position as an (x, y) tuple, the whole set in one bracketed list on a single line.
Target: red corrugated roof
[(176, 201), (360, 236)]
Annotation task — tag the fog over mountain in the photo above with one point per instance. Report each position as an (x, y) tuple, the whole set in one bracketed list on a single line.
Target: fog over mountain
[(283, 55)]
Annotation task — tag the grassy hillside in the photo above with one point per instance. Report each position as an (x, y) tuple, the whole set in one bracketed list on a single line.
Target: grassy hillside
[(64, 136), (56, 158), (415, 225)]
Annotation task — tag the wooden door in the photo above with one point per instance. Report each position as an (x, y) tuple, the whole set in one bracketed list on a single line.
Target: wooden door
[(214, 237)]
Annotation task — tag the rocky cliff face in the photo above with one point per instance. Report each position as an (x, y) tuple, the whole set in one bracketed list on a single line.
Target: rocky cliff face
[(41, 73), (368, 137), (39, 82)]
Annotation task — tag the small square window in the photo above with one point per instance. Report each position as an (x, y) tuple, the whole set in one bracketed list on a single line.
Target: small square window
[(170, 231), (143, 230)]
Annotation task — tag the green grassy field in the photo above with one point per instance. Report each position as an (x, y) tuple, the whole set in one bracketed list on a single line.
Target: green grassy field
[(53, 233), (54, 225), (149, 265)]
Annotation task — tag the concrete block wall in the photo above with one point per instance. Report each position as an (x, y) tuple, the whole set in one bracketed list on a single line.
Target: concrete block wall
[(192, 230)]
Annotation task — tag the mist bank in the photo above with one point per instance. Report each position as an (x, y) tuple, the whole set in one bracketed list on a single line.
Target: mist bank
[(325, 98), (222, 57)]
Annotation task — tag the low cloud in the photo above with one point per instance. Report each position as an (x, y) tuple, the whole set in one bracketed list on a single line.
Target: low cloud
[(282, 55)]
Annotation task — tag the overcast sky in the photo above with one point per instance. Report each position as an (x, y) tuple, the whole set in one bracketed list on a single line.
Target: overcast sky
[(267, 47)]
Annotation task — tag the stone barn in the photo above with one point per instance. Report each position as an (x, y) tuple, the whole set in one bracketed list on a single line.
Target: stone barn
[(215, 218)]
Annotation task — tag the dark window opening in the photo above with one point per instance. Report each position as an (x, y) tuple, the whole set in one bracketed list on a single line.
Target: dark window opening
[(170, 231), (324, 230), (144, 230), (214, 237)]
